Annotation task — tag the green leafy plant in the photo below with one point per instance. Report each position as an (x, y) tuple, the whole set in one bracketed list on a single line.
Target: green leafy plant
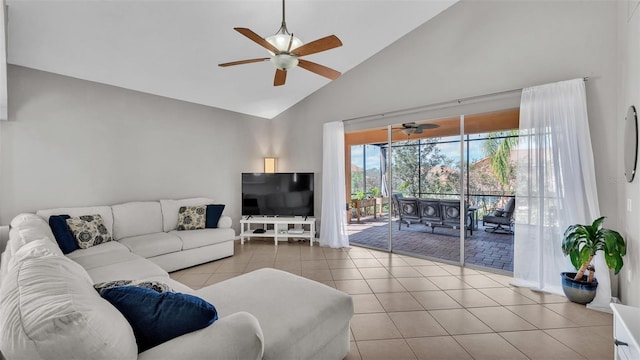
[(582, 242), (375, 192), (359, 195)]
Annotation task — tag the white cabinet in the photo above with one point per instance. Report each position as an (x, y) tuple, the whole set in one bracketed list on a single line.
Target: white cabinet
[(626, 331), (280, 228)]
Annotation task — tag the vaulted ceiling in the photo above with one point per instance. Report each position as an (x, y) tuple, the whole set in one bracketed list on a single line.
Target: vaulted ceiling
[(172, 48)]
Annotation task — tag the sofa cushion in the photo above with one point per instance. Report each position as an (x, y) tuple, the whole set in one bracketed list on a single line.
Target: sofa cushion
[(103, 211), (101, 259), (192, 217), (62, 233), (27, 228), (153, 244), (157, 317), (203, 237), (170, 210), (214, 211), (134, 268), (89, 230), (136, 218), (111, 246), (289, 331), (49, 310)]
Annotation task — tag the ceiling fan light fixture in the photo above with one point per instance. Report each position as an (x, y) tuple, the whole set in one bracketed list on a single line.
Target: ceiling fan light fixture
[(284, 61), (281, 41)]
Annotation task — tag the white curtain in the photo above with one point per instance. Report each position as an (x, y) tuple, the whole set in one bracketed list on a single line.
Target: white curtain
[(333, 226), (3, 64), (556, 186)]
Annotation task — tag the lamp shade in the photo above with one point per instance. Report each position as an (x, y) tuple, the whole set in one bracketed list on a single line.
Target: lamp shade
[(269, 164)]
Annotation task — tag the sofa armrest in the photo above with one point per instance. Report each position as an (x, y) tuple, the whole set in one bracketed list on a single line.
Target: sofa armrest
[(237, 336), (225, 222)]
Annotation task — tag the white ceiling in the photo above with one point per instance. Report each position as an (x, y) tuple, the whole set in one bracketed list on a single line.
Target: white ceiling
[(172, 48)]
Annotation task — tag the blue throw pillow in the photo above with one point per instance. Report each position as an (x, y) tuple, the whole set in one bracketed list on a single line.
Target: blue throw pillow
[(158, 317), (64, 236), (214, 212)]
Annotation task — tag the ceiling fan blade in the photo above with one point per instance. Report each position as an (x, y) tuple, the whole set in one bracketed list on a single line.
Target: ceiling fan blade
[(257, 39), (243, 62), (319, 69), (280, 78), (428, 126), (316, 46)]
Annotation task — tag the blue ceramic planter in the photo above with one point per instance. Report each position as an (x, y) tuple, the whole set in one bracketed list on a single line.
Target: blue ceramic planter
[(580, 292)]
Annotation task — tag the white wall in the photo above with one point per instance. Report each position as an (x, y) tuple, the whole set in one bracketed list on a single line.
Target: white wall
[(476, 48), (72, 142), (629, 45)]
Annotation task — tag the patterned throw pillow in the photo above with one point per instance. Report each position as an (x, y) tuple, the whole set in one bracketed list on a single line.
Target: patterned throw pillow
[(192, 217), (147, 284), (88, 230)]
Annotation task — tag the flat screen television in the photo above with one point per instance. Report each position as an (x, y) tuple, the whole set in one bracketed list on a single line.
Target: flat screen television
[(277, 194)]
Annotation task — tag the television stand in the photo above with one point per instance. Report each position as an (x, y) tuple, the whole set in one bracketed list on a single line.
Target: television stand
[(280, 231)]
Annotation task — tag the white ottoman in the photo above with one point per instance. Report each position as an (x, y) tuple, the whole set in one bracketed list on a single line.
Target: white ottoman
[(300, 318)]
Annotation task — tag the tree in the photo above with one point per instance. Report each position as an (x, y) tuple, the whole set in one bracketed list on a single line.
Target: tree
[(498, 148)]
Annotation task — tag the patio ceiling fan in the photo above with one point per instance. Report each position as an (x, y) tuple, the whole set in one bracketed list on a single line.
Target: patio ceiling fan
[(286, 51), (413, 128)]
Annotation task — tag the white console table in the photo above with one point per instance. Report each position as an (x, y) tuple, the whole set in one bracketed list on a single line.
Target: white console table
[(626, 331), (280, 231)]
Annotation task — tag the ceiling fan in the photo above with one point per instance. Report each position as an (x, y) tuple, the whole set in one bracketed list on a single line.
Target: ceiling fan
[(286, 51), (413, 128)]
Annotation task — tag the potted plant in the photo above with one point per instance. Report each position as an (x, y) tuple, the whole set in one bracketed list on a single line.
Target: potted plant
[(581, 243)]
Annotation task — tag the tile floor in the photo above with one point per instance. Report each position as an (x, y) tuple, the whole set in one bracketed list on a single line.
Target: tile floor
[(409, 308)]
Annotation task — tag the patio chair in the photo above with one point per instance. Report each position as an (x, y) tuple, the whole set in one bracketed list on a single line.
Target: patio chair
[(501, 219), (430, 214), (408, 211), (396, 205)]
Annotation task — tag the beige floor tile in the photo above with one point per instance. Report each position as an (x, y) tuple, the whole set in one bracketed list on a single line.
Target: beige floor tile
[(397, 349), (541, 317), (502, 279), (353, 287), (457, 270), (360, 254), (366, 303), (539, 345), (417, 284), (176, 275), (346, 274), (218, 277), (435, 300), (317, 275), (449, 282), (432, 270), (194, 281), (314, 264), (459, 321), (500, 319), (362, 263), (340, 264), (288, 265), (539, 296), (471, 298), (480, 281), (438, 348), (375, 273), (232, 267), (398, 301), (489, 347), (404, 272), (258, 265), (416, 324), (207, 268), (335, 254), (385, 285), (389, 262), (580, 315), (259, 258), (312, 254), (329, 283), (417, 262), (506, 296), (582, 341), (373, 327), (354, 354)]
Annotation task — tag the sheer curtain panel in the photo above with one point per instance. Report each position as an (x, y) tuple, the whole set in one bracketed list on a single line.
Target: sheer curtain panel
[(556, 186), (333, 226)]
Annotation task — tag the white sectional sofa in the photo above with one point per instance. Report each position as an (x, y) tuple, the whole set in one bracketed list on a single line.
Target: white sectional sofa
[(49, 308)]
